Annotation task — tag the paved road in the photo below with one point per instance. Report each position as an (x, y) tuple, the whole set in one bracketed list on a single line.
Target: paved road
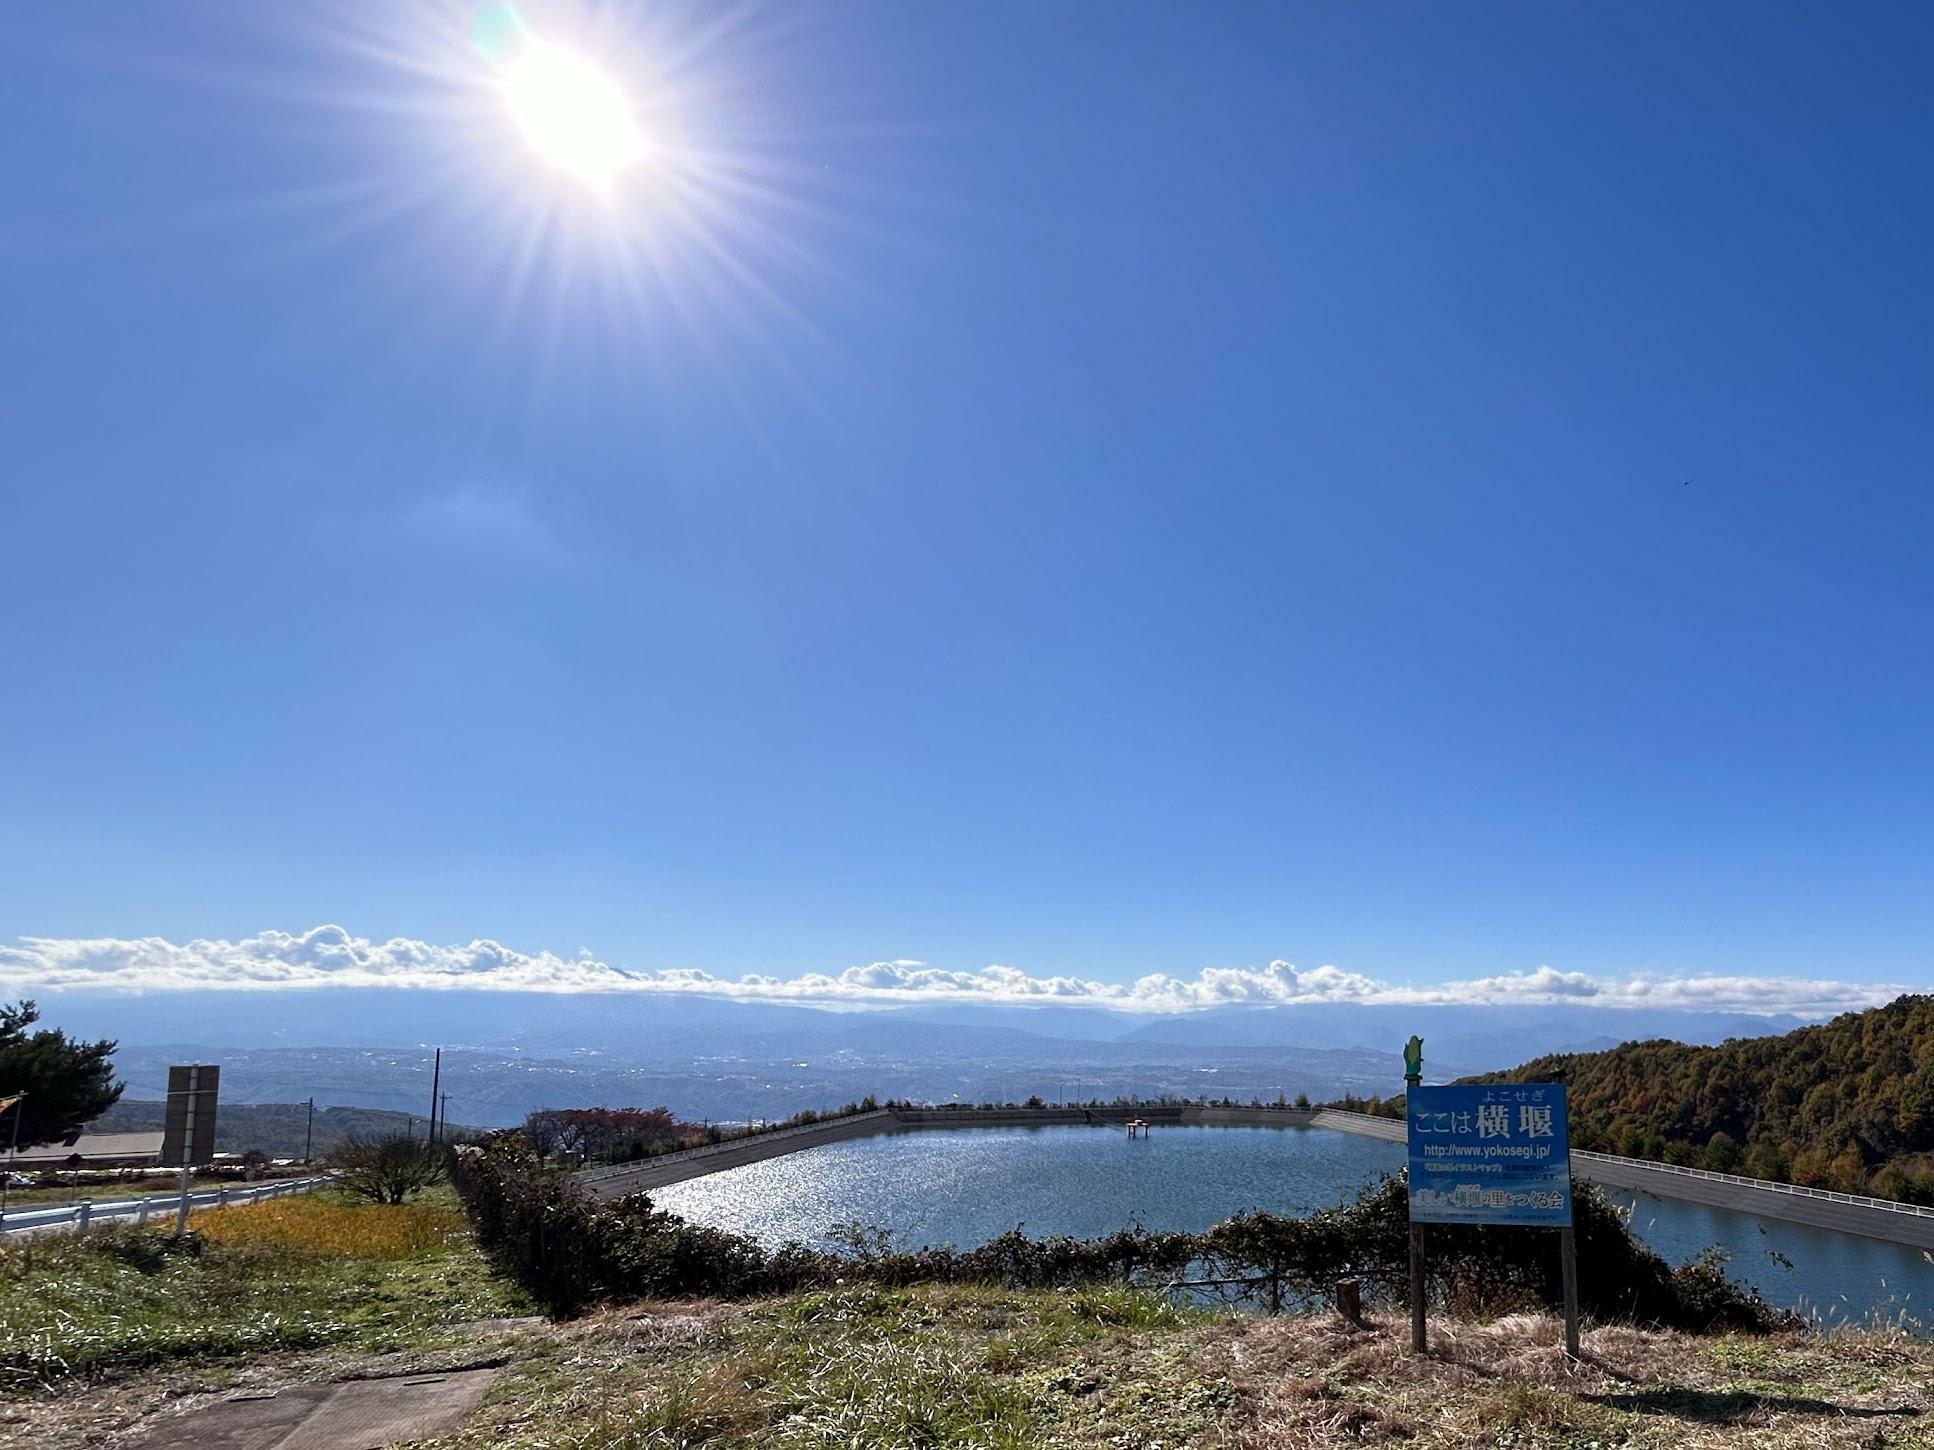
[(151, 1207)]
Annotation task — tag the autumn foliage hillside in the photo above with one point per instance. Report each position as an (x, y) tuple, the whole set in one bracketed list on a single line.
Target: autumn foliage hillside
[(1848, 1105)]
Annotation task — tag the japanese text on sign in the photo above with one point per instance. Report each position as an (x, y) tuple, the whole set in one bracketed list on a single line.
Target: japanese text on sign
[(1494, 1153)]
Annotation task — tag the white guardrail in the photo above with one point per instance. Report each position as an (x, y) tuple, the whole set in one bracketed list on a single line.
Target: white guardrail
[(706, 1150), (84, 1213), (1855, 1200)]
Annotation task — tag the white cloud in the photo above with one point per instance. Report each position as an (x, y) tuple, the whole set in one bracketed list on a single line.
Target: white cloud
[(329, 956)]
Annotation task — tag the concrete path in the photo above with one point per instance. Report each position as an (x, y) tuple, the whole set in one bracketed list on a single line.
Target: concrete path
[(357, 1415)]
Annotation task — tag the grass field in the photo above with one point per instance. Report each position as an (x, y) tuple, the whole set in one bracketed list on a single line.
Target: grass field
[(871, 1369), (98, 1333), (292, 1273)]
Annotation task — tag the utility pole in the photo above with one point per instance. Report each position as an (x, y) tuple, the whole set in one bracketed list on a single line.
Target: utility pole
[(436, 1083), (309, 1134)]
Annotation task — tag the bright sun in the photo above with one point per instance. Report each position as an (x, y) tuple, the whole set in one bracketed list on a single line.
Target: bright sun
[(572, 113)]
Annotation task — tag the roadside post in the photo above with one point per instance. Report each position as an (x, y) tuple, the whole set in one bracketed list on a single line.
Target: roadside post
[(188, 1127), (1413, 1077), (1491, 1153), (12, 1105)]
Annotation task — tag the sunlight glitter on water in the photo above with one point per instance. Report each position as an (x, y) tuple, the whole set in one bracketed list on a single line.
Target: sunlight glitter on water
[(965, 1185)]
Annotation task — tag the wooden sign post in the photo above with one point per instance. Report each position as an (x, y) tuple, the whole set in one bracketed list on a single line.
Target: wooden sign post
[(1568, 1266), (1487, 1153), (1413, 1077)]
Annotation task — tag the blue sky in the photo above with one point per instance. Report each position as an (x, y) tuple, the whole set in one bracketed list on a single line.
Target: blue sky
[(1104, 490)]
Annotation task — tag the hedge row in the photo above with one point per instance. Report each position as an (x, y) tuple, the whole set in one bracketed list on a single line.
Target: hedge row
[(570, 1251)]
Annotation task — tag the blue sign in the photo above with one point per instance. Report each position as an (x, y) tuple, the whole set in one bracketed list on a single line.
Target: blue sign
[(1496, 1153)]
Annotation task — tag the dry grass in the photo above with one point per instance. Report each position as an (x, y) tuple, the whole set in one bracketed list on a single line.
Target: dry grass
[(122, 1301), (871, 1369), (318, 1224), (1312, 1382)]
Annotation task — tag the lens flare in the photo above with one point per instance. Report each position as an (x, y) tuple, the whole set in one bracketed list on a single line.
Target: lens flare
[(590, 181), (572, 113)]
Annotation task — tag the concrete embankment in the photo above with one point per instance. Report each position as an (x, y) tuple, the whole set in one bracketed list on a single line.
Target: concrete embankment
[(1842, 1212), (1872, 1218), (617, 1181), (1362, 1124)]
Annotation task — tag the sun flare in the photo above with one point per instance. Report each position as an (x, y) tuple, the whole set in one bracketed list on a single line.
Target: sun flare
[(583, 171), (572, 113)]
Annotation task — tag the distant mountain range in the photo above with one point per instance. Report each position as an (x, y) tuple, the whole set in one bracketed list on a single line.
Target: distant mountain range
[(1479, 1037), (1488, 1037), (705, 1057)]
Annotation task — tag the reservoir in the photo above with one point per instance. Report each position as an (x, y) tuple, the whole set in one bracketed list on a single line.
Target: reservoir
[(964, 1186)]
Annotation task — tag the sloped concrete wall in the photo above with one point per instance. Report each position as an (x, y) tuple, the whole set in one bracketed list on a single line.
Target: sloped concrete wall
[(716, 1158)]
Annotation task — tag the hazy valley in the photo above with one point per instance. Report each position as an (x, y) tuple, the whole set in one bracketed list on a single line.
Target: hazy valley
[(505, 1054)]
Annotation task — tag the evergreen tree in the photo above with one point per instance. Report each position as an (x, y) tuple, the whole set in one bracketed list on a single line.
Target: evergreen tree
[(65, 1083)]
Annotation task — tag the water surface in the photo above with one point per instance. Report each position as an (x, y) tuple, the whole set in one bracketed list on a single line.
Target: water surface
[(963, 1186)]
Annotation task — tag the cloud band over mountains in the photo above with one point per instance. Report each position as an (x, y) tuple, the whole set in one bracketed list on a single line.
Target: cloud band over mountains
[(329, 956)]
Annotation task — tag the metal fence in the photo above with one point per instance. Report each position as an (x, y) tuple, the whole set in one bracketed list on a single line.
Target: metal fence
[(1857, 1200), (84, 1213)]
